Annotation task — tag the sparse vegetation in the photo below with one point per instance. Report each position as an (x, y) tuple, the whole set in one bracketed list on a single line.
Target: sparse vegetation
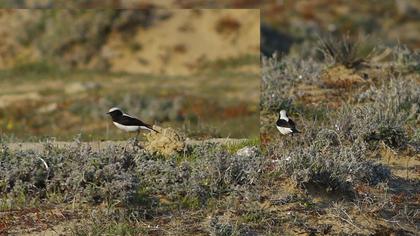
[(130, 182), (330, 165), (352, 171)]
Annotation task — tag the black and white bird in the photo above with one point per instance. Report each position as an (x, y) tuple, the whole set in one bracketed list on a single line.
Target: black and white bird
[(126, 122), (286, 125)]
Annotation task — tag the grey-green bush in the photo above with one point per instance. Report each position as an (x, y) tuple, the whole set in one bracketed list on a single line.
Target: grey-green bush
[(112, 175), (329, 163)]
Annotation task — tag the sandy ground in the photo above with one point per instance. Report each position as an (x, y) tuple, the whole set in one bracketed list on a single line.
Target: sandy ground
[(179, 45), (104, 144)]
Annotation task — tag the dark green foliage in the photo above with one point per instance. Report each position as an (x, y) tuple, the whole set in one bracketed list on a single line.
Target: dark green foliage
[(394, 138)]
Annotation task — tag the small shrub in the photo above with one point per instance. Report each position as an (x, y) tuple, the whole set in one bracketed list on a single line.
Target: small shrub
[(345, 50), (393, 137), (415, 140), (328, 163), (218, 228), (211, 173), (383, 116), (406, 60)]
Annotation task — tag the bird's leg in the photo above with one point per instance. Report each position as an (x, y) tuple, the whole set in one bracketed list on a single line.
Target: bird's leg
[(137, 136), (136, 142), (125, 147), (128, 143)]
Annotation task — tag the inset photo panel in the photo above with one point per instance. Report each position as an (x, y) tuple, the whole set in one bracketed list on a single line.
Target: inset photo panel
[(112, 75), (127, 122)]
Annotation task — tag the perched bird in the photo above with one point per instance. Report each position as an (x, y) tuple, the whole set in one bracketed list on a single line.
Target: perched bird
[(286, 125), (126, 122)]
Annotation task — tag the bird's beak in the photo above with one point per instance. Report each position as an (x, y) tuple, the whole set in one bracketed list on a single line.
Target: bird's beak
[(107, 113)]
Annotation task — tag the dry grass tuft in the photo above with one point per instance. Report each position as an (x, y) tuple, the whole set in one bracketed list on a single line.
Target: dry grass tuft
[(167, 142), (346, 51), (341, 77)]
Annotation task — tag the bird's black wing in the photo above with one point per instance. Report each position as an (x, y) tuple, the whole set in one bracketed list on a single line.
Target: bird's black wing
[(287, 124), (283, 123), (293, 126), (131, 121)]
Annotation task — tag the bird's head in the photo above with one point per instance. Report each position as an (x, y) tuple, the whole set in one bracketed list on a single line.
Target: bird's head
[(115, 112), (283, 113)]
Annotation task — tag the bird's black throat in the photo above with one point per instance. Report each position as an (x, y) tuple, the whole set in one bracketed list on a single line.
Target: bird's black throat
[(116, 115)]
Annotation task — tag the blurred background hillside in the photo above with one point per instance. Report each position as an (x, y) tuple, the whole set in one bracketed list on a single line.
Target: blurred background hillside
[(60, 70), (290, 22)]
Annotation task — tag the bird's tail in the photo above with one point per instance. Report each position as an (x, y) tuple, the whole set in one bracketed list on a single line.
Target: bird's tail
[(151, 129)]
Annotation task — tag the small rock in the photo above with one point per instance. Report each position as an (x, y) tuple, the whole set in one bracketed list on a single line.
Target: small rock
[(48, 108), (81, 87), (247, 152)]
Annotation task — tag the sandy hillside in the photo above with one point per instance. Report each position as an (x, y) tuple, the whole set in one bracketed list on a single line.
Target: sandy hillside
[(187, 40), (173, 42)]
